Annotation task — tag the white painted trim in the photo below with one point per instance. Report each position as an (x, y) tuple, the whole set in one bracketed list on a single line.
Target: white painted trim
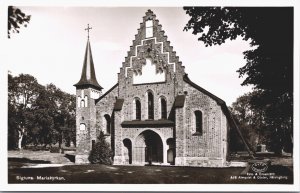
[(162, 48)]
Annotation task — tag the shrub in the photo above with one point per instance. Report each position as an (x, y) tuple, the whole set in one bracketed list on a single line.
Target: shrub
[(54, 150), (101, 152)]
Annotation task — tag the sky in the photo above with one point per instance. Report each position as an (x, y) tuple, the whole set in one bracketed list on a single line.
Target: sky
[(52, 47)]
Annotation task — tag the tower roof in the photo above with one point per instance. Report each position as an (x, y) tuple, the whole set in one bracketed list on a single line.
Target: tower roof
[(88, 77)]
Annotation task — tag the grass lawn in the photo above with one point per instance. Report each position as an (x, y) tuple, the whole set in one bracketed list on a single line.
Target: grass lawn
[(21, 170)]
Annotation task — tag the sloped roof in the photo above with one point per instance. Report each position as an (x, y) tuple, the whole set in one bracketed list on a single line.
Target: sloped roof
[(107, 92), (88, 77)]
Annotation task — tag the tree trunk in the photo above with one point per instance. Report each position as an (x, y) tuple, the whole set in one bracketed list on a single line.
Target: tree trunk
[(20, 137)]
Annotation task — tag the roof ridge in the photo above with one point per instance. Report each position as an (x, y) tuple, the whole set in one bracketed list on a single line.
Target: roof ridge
[(102, 96), (217, 99)]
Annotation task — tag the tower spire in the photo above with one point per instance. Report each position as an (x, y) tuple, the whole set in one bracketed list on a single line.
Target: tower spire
[(88, 76)]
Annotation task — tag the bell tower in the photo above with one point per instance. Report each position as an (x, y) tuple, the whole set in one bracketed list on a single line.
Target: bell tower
[(87, 90)]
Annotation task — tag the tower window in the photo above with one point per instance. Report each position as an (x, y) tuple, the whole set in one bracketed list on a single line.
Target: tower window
[(85, 101), (82, 127), (150, 106), (198, 122), (149, 28), (108, 123), (137, 109), (163, 106)]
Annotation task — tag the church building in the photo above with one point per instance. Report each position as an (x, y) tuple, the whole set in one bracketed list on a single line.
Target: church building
[(154, 114)]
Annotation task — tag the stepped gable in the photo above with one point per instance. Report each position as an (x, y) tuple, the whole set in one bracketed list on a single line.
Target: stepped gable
[(156, 47)]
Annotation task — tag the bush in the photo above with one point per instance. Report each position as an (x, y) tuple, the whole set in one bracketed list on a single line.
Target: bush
[(55, 150), (101, 152)]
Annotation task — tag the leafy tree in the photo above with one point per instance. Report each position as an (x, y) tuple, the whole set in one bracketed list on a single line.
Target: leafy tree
[(55, 116), (38, 114), (44, 109), (12, 127), (22, 92), (101, 152), (16, 18), (250, 120), (269, 66), (67, 110), (64, 114)]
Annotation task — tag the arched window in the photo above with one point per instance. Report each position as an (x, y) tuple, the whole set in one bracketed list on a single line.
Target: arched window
[(137, 109), (163, 106), (198, 122), (82, 103), (150, 106), (108, 123)]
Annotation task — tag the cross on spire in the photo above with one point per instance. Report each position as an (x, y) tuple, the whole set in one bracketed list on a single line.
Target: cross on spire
[(88, 30)]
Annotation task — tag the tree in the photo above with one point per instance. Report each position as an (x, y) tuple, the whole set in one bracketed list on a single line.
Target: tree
[(22, 92), (269, 66), (44, 109), (16, 18), (251, 121), (67, 110), (101, 152), (38, 114), (63, 114)]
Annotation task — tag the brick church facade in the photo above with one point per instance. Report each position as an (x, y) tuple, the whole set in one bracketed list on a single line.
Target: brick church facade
[(154, 113)]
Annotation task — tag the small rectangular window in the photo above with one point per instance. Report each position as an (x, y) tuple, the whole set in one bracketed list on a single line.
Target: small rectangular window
[(149, 23), (149, 28)]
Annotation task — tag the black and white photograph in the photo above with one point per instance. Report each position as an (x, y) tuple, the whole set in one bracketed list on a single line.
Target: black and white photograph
[(104, 95)]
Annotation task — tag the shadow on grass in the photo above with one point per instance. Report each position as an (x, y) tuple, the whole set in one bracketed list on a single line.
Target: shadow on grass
[(70, 157), (26, 160)]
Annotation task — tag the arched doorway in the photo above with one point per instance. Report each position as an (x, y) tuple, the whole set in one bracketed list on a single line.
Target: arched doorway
[(148, 148), (128, 151)]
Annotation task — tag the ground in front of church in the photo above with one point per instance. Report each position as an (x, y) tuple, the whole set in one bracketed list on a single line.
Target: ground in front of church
[(28, 166)]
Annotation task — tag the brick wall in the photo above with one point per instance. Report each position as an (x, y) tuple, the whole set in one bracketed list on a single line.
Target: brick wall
[(103, 107), (211, 145), (86, 116), (209, 149)]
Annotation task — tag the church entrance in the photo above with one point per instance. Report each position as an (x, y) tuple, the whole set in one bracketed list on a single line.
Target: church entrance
[(148, 148)]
